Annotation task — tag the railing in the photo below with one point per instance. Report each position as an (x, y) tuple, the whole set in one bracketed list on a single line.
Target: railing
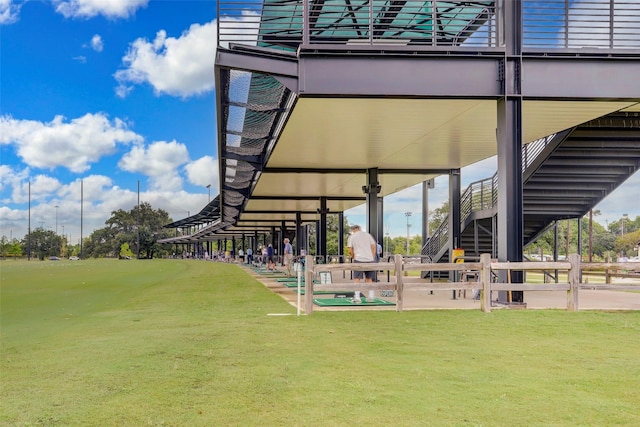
[(486, 273), (287, 24), (559, 25), (569, 24), (481, 195)]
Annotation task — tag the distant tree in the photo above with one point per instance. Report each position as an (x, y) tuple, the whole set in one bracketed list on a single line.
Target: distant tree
[(125, 251), (143, 225), (43, 243), (438, 216), (10, 247), (625, 245)]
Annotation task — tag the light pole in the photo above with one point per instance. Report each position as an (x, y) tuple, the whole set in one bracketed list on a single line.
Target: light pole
[(209, 188), (57, 219), (623, 217), (386, 243), (408, 214)]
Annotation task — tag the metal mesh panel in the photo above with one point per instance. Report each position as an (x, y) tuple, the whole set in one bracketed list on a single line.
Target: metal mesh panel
[(253, 148), (230, 212), (245, 167), (233, 198)]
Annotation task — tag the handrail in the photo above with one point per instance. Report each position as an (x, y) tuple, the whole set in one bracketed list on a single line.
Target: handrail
[(481, 195), (599, 26)]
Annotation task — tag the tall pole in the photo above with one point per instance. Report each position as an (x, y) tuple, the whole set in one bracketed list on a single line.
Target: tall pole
[(57, 219), (209, 188), (386, 242), (623, 217), (29, 227), (138, 222), (81, 212), (408, 214)]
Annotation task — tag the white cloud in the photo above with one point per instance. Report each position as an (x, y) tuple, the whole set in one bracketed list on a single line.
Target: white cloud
[(618, 202), (9, 12), (96, 43), (73, 145), (160, 161), (42, 186), (91, 8), (99, 195), (81, 59), (203, 172), (11, 179), (175, 66)]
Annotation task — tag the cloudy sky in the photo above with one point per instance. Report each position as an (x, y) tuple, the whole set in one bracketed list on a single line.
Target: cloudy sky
[(112, 94)]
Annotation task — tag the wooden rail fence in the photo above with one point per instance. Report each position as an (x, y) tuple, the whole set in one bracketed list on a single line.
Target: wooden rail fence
[(486, 271)]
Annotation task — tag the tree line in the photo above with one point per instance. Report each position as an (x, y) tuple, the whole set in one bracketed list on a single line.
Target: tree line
[(135, 234)]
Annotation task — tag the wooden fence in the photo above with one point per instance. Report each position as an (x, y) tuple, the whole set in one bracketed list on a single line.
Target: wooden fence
[(487, 274)]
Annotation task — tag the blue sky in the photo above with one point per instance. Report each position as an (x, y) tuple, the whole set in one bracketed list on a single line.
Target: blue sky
[(112, 93)]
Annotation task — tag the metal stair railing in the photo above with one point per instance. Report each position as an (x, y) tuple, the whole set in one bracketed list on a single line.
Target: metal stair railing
[(481, 195)]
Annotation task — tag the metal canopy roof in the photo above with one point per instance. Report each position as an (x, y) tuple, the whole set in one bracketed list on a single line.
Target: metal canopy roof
[(282, 148)]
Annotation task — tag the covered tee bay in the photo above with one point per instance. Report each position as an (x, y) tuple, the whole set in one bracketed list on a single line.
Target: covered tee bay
[(326, 105)]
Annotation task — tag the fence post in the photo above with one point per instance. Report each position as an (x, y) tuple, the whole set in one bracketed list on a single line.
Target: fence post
[(485, 279), (399, 284), (308, 284), (574, 283)]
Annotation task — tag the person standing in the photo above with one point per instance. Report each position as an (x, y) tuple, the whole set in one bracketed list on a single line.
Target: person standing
[(249, 256), (362, 248), (271, 265), (288, 256)]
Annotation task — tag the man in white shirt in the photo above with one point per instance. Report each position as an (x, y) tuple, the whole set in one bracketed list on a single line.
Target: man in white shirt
[(362, 248)]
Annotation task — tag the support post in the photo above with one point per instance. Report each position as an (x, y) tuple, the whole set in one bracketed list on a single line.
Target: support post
[(485, 278), (283, 234), (321, 232), (454, 217), (308, 284), (299, 232), (341, 236), (574, 283), (371, 191), (397, 259)]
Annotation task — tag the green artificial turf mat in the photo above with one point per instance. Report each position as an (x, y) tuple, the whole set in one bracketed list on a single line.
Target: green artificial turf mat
[(329, 302), (295, 284), (326, 292)]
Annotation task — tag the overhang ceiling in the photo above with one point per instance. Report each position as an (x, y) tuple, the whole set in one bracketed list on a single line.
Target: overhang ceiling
[(386, 133)]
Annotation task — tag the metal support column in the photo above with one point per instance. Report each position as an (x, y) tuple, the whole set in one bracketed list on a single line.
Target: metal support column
[(579, 237), (299, 239), (283, 234), (509, 133), (454, 214), (321, 234), (371, 191), (273, 237), (341, 236), (426, 185)]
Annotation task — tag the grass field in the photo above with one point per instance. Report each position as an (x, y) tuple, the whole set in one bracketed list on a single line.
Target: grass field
[(192, 343)]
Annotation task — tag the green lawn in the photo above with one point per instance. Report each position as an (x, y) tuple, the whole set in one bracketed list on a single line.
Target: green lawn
[(192, 343)]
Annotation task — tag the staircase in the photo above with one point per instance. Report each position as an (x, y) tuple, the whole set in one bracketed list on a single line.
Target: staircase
[(564, 175)]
